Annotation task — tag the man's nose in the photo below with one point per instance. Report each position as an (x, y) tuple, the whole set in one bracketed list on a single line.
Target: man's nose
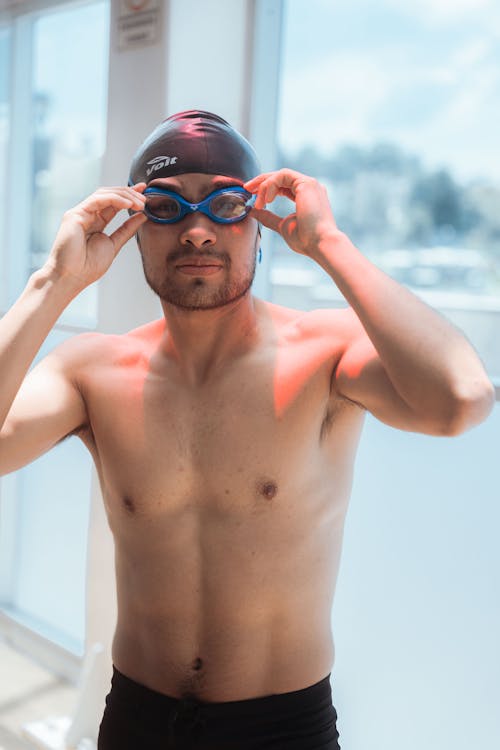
[(198, 231)]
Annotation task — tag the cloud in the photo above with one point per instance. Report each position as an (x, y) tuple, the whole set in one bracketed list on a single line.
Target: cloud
[(465, 132), (441, 12), (332, 101), (443, 106)]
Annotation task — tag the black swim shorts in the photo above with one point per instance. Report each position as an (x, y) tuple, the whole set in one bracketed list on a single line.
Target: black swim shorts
[(138, 718)]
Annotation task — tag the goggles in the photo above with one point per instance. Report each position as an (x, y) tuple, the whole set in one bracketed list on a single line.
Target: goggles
[(224, 206)]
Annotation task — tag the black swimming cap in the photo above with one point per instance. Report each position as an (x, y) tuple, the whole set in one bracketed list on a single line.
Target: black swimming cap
[(194, 141)]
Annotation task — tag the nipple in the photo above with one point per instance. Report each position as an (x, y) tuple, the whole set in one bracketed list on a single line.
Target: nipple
[(268, 489)]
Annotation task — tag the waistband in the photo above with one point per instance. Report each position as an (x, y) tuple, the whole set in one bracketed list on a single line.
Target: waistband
[(150, 701)]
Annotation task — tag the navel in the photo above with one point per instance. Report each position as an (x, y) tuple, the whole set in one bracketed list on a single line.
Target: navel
[(197, 664)]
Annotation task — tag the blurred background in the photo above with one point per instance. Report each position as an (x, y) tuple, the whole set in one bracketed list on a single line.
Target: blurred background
[(396, 109)]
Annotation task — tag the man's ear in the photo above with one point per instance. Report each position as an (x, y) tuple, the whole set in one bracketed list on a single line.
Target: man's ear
[(258, 237)]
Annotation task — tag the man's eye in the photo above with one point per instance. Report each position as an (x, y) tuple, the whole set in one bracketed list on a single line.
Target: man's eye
[(228, 205), (163, 208)]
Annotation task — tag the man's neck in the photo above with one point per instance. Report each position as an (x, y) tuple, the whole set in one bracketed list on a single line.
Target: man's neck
[(202, 342)]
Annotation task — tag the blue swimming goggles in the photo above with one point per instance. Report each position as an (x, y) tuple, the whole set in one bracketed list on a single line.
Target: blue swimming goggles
[(225, 206)]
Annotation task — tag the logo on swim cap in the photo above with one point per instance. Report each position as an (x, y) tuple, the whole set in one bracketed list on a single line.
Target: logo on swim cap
[(160, 161)]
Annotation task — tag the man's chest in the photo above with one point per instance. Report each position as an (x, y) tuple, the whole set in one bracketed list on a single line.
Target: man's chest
[(252, 435), (140, 413)]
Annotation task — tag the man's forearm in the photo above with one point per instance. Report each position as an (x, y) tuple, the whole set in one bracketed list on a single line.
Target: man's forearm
[(24, 328), (429, 362)]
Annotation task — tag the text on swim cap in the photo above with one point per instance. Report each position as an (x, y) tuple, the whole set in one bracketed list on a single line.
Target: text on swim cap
[(158, 162)]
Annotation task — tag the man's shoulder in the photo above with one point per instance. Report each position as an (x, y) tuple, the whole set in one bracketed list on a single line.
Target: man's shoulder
[(95, 347), (316, 322)]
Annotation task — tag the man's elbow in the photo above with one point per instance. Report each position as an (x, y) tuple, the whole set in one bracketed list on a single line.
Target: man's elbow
[(469, 407)]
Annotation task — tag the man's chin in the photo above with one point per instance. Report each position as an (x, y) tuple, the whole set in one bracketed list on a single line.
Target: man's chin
[(202, 304), (200, 299)]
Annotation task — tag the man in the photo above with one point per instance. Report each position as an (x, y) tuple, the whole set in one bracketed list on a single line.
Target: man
[(224, 435)]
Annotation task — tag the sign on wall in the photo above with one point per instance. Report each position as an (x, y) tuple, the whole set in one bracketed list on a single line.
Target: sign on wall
[(138, 23)]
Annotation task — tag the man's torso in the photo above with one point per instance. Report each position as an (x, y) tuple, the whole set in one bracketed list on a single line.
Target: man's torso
[(227, 503)]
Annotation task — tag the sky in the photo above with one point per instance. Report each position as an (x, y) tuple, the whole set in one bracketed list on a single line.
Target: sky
[(75, 80), (423, 73)]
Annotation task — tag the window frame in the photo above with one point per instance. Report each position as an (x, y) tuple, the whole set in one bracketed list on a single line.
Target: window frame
[(19, 22)]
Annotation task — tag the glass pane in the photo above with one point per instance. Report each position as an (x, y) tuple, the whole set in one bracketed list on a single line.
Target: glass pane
[(51, 557), (4, 139), (395, 108), (69, 122), (46, 589), (416, 616), (52, 503)]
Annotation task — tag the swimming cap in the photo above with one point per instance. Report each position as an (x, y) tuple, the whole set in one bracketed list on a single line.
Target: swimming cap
[(194, 141)]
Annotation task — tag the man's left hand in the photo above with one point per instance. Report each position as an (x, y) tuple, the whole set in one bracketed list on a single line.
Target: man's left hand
[(312, 219)]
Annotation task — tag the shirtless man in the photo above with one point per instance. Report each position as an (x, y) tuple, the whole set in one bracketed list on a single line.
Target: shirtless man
[(224, 435)]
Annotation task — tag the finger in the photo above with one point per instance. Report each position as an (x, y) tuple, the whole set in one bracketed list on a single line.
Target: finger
[(278, 183), (126, 231), (253, 184), (131, 191), (110, 212), (128, 193), (267, 192), (136, 196), (285, 177), (139, 187), (95, 212), (262, 193), (107, 214), (270, 220), (103, 200), (272, 191), (285, 183)]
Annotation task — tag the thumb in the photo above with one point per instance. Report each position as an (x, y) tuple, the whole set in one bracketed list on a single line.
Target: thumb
[(126, 231), (270, 220)]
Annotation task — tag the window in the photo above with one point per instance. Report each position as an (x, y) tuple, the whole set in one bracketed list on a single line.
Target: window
[(58, 127), (69, 101), (394, 107), (52, 134)]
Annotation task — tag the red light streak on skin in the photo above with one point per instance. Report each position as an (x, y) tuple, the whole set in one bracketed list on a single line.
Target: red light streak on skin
[(289, 379), (299, 356)]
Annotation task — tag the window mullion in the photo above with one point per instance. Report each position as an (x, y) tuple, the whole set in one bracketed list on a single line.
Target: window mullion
[(20, 161), (8, 537)]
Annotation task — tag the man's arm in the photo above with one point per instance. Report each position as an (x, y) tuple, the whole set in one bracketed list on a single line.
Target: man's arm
[(38, 410), (402, 360)]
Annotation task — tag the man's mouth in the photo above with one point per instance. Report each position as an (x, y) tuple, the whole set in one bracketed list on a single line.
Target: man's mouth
[(198, 268)]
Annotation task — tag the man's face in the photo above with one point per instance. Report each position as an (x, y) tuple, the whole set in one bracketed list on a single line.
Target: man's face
[(196, 263)]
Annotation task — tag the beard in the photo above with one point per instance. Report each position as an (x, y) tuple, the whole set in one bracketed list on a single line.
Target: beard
[(198, 293)]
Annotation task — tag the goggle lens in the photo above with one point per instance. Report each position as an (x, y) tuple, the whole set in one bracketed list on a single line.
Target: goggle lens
[(229, 205), (162, 207)]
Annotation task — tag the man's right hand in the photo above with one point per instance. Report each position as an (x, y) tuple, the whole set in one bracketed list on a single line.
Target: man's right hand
[(82, 252), (40, 407)]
